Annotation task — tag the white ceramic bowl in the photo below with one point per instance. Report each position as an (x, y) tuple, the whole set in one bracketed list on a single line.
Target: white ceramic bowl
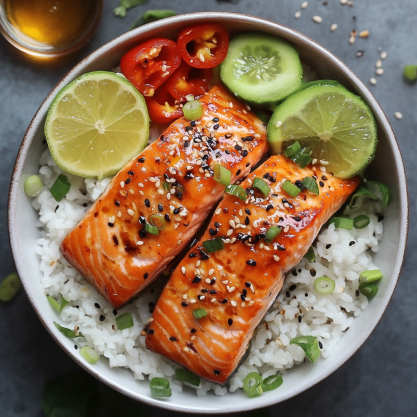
[(387, 167)]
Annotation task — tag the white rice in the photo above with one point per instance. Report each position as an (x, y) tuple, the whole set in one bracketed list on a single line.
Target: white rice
[(324, 316)]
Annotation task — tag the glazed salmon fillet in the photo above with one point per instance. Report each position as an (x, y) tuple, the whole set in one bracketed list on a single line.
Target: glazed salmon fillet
[(169, 185), (237, 285)]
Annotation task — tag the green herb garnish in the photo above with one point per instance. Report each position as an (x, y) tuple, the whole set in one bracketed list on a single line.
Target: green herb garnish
[(309, 344), (152, 16), (60, 187), (125, 5), (67, 332), (124, 321), (9, 287)]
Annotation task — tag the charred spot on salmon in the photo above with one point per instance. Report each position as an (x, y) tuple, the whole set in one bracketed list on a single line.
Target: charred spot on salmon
[(141, 160), (191, 346), (251, 262), (151, 331), (204, 256), (196, 279), (192, 255), (145, 275), (173, 339), (96, 214), (167, 217), (115, 240), (216, 372), (229, 322)]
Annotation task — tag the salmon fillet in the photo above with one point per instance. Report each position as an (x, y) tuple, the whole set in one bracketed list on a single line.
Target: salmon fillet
[(173, 179), (237, 285)]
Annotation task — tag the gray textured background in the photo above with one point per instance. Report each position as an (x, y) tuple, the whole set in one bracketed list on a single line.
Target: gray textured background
[(380, 380)]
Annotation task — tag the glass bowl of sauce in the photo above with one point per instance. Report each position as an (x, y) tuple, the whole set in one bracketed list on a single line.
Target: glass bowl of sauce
[(49, 28)]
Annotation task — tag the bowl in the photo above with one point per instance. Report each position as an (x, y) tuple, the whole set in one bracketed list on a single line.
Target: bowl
[(387, 167)]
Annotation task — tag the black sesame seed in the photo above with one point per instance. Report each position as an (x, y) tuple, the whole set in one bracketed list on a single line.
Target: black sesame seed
[(247, 211), (217, 224), (245, 292), (359, 54), (247, 139), (186, 144), (176, 211), (324, 178), (297, 218), (160, 207), (205, 157), (110, 224), (288, 294), (85, 204), (56, 208), (204, 290), (213, 292), (251, 262), (321, 184), (145, 275), (216, 119), (196, 279), (192, 255), (320, 345), (215, 127), (142, 234), (216, 372), (189, 176), (238, 147), (266, 176), (351, 243), (293, 287), (75, 347), (299, 184), (230, 322), (173, 339), (306, 294), (147, 203), (167, 217), (141, 160), (224, 301), (117, 203), (300, 319), (114, 312), (142, 220), (272, 179), (96, 305), (294, 272), (213, 281), (193, 330), (204, 256), (269, 207), (242, 297), (247, 164), (184, 304), (227, 152), (328, 246), (151, 331), (247, 220), (238, 172), (188, 128), (102, 318), (245, 152), (115, 240), (313, 272), (193, 123), (127, 181), (247, 284), (212, 231)]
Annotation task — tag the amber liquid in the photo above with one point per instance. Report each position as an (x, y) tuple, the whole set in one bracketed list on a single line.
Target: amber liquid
[(51, 23)]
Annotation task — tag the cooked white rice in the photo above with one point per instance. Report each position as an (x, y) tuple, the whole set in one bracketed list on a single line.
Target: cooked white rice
[(324, 316)]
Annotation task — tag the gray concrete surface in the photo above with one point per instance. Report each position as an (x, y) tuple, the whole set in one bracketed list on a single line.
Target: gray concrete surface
[(380, 380)]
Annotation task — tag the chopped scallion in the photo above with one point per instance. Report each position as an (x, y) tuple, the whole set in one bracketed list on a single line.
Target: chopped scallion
[(57, 306), (293, 149), (361, 221), (310, 255), (342, 222), (89, 354), (238, 191), (261, 185), (272, 382), (199, 313), (192, 110), (60, 187), (361, 191), (9, 287), (309, 344), (222, 174), (368, 291), (160, 388), (252, 385), (384, 192), (186, 376), (67, 332), (166, 185), (302, 159), (291, 189), (158, 221), (213, 245), (310, 184), (124, 321), (371, 276), (410, 72), (271, 233), (33, 186), (324, 285), (151, 229)]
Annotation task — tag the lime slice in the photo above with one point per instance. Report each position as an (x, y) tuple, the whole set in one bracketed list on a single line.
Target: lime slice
[(331, 124), (96, 124)]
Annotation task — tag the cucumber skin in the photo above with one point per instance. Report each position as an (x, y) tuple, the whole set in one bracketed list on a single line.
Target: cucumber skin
[(271, 104)]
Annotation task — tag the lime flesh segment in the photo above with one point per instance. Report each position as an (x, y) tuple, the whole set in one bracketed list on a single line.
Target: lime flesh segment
[(261, 68), (96, 124), (331, 124)]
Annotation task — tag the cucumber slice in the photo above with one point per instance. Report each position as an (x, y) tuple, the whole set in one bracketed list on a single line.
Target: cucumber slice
[(261, 68), (331, 123)]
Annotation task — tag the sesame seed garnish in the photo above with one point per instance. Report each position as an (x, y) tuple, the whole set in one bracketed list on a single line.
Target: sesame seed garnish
[(193, 337), (383, 55), (192, 301), (278, 124), (183, 270), (143, 169), (398, 115), (304, 4), (317, 19), (373, 81), (130, 212), (173, 339), (251, 303), (276, 258), (225, 282), (364, 34), (150, 320), (297, 14), (229, 232), (229, 322), (378, 64), (185, 349), (207, 280), (333, 27), (243, 304), (343, 2), (379, 71), (233, 303), (179, 242), (286, 229), (213, 300)]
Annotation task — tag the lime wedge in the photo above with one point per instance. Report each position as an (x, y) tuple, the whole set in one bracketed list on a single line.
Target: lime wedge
[(96, 124), (331, 124)]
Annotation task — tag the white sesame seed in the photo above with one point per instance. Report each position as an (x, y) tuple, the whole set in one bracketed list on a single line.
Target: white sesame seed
[(159, 192), (183, 270), (398, 115), (323, 169), (233, 240), (208, 175), (266, 247), (297, 14), (278, 124), (364, 34), (192, 301), (286, 229), (379, 71), (208, 280), (213, 300), (119, 214), (140, 243), (112, 219), (231, 105), (193, 337), (383, 55), (143, 169), (229, 232), (122, 184), (243, 226), (189, 167), (141, 185), (211, 271), (378, 63), (323, 162), (261, 245), (150, 320), (198, 263), (244, 111), (185, 296), (172, 191), (317, 19), (276, 258), (176, 225), (243, 304), (372, 81), (343, 2), (233, 303), (251, 303), (169, 196), (351, 40), (232, 223), (226, 281), (333, 27), (172, 171), (201, 57), (157, 184), (190, 97), (130, 212), (134, 206), (185, 349), (314, 161), (304, 4), (179, 242)]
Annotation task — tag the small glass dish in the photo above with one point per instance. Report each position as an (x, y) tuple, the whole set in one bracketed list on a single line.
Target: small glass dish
[(34, 20)]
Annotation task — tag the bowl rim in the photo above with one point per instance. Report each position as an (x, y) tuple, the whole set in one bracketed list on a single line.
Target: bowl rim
[(194, 18)]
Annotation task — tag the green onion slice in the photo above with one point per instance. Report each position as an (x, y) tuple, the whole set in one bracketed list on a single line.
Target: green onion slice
[(222, 174), (271, 233), (342, 222), (383, 191), (160, 388), (60, 187), (124, 321), (67, 332), (152, 16), (238, 191), (272, 382), (309, 344), (302, 159), (33, 186), (293, 149), (252, 385), (368, 291), (166, 185), (186, 376), (371, 276), (324, 285), (361, 221), (151, 229), (9, 287), (359, 192), (310, 184), (410, 72), (310, 255), (213, 245), (158, 221), (89, 354), (57, 306), (199, 313), (290, 188), (192, 110), (262, 186)]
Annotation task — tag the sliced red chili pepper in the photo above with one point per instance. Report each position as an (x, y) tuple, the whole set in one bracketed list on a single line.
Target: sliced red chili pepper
[(187, 80), (163, 107), (204, 46), (149, 64)]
